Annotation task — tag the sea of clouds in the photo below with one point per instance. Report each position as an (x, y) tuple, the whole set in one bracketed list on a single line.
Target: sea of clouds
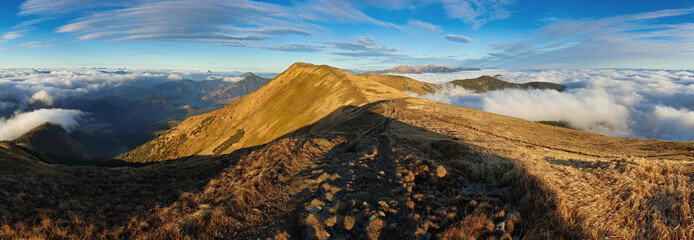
[(617, 102), (28, 96)]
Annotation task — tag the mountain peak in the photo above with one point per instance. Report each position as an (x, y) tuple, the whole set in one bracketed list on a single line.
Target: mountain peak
[(285, 104)]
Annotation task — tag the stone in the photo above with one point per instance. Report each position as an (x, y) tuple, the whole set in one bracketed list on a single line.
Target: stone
[(500, 227), (315, 209), (441, 172)]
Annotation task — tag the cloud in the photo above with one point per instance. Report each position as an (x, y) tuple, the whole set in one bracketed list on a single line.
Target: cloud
[(42, 97), (236, 23), (175, 77), (626, 40), (20, 88), (35, 44), (11, 35), (477, 12), (216, 21), (233, 79), (617, 102), (292, 47), (457, 38), (20, 123), (362, 47), (417, 27)]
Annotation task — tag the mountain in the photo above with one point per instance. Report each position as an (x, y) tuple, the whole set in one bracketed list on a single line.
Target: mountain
[(283, 105), (153, 107), (249, 82), (212, 93), (487, 83), (402, 69), (55, 145), (401, 83), (355, 159)]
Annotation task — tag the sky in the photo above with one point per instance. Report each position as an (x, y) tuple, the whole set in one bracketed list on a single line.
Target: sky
[(268, 36)]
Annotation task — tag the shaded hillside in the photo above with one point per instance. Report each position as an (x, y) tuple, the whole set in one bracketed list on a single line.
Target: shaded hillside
[(53, 144), (488, 83), (301, 95), (112, 129), (426, 69), (401, 83)]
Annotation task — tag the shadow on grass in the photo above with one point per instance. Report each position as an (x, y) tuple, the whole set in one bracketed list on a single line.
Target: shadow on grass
[(381, 161)]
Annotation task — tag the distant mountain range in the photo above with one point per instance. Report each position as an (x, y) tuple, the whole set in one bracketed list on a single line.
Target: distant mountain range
[(122, 119), (426, 69), (205, 93)]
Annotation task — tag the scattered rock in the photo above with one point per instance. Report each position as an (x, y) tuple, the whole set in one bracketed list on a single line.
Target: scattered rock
[(409, 177), (473, 188), (315, 209), (500, 227), (441, 171), (349, 222), (501, 192), (381, 173)]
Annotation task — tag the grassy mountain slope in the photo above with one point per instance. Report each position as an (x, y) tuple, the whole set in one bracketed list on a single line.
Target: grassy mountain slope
[(401, 83), (301, 95), (399, 168), (488, 83)]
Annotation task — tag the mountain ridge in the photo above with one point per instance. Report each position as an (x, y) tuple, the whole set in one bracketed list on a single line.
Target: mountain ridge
[(488, 83), (272, 104)]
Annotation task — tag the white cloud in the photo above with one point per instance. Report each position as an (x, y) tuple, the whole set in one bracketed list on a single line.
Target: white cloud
[(22, 87), (11, 35), (477, 12), (42, 97), (175, 77), (20, 123), (457, 38), (238, 23), (617, 102), (363, 47), (233, 78), (627, 40), (417, 26)]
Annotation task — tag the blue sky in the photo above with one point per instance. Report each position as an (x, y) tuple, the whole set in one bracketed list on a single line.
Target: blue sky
[(267, 36)]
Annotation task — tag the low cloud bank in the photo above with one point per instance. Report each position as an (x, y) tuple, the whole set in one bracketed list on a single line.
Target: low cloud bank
[(617, 102), (21, 123), (24, 90)]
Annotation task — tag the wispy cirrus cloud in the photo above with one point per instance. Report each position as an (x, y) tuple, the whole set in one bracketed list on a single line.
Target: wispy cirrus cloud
[(457, 38), (362, 47), (602, 42), (417, 26), (236, 23), (11, 35), (36, 44), (294, 47)]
